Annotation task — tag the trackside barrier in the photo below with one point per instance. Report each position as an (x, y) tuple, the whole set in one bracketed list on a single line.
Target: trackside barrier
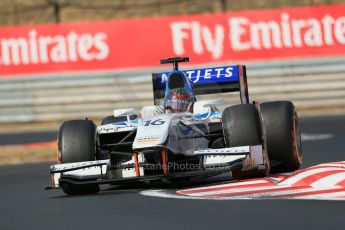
[(312, 84)]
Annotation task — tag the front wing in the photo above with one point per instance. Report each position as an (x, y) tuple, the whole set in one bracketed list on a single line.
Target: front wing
[(213, 162)]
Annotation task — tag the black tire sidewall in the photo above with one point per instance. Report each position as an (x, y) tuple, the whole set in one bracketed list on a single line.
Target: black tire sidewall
[(279, 118), (77, 141), (242, 126)]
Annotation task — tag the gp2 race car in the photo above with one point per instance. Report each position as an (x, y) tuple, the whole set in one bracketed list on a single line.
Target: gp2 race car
[(248, 140)]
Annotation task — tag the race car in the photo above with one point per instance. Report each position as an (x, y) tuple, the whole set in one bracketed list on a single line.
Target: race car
[(180, 137)]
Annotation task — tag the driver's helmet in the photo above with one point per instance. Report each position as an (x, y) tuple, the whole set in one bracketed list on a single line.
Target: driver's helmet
[(179, 100)]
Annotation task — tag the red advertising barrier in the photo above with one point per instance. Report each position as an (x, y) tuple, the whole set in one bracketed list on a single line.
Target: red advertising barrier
[(121, 44)]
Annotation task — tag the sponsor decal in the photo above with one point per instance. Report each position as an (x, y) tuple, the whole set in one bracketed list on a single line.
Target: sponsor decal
[(299, 32), (147, 140), (203, 76), (247, 33), (114, 128), (34, 48)]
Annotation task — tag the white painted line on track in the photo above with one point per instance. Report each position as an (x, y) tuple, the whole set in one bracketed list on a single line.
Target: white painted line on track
[(166, 194), (228, 185), (316, 137)]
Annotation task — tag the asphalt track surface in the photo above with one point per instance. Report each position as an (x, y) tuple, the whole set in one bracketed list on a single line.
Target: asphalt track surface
[(16, 138), (25, 205)]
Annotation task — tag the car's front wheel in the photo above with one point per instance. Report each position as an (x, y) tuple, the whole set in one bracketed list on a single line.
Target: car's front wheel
[(77, 143), (242, 126)]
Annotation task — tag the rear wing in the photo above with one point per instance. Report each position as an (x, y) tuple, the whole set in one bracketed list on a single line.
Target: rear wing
[(207, 81)]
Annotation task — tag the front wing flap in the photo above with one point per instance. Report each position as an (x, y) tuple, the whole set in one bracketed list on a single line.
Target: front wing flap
[(249, 156)]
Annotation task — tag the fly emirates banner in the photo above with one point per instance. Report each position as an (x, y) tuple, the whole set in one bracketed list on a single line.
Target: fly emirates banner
[(140, 43)]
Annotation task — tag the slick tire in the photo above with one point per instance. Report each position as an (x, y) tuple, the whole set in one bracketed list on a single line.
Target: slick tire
[(283, 135), (77, 143), (242, 126)]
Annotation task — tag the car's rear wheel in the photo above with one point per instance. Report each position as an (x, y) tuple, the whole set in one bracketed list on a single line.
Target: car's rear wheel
[(283, 135), (242, 126), (77, 143)]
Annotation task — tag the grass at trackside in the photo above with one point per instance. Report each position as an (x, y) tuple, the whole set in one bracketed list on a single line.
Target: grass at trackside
[(19, 154)]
